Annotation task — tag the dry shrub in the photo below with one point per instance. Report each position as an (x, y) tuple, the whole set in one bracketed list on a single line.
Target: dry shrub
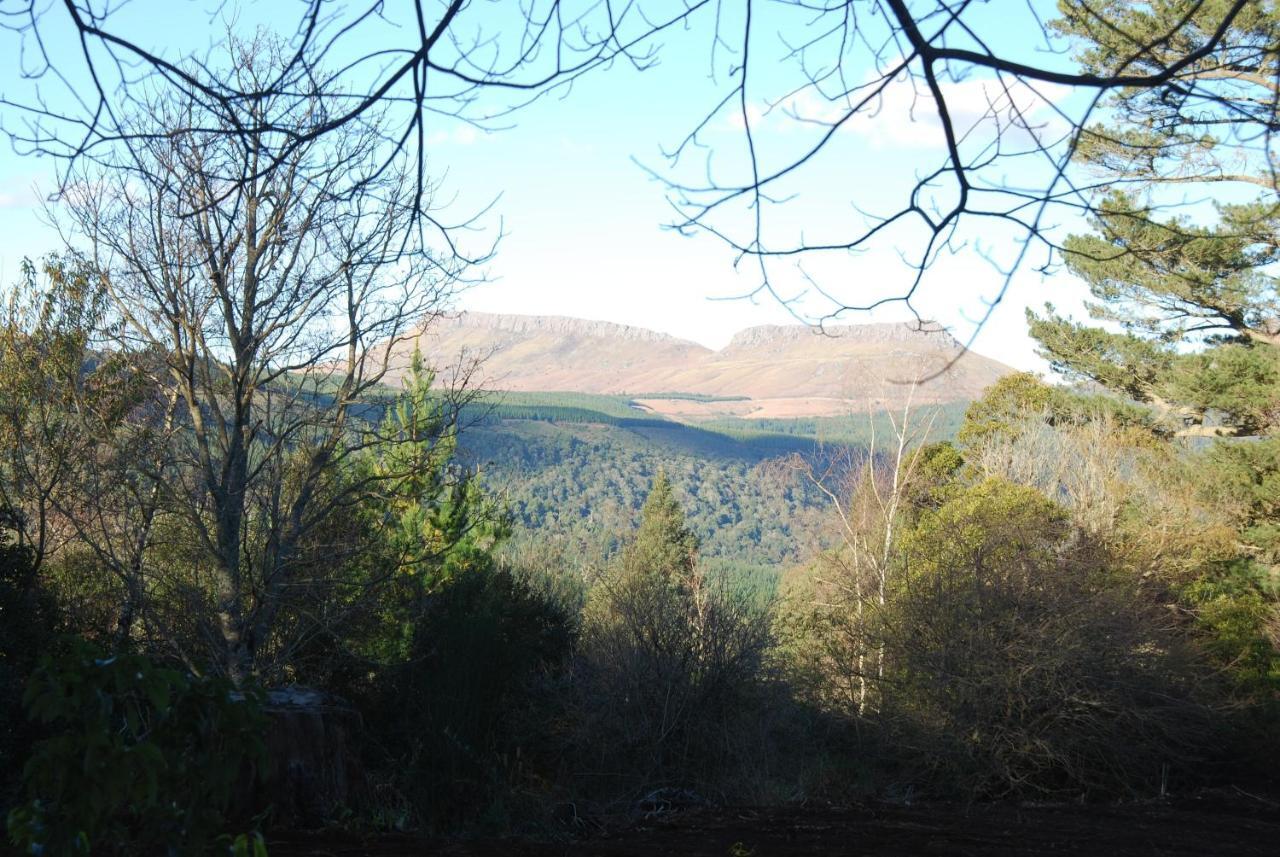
[(669, 686), (1017, 662), (1143, 500)]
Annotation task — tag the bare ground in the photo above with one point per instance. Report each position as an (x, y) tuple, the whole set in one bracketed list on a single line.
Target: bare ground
[(1219, 823)]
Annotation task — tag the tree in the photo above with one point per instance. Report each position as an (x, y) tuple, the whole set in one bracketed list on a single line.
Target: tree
[(1193, 127), (1171, 285), (1194, 528), (1199, 315), (664, 546), (669, 659), (86, 435), (1017, 400), (1003, 120), (46, 341), (1191, 306), (1020, 663), (869, 493), (269, 294), (86, 70)]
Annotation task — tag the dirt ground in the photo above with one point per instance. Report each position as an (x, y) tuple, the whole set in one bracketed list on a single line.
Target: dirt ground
[(1226, 823)]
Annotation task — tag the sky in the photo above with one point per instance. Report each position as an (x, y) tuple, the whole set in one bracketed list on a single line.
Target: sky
[(567, 188)]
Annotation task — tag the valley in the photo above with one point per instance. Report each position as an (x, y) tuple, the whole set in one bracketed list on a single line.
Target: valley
[(573, 470), (574, 418)]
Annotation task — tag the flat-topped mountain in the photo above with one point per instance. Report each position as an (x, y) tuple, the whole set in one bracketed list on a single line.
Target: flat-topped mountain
[(767, 371)]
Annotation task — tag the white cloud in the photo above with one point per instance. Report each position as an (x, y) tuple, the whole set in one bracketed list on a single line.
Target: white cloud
[(904, 114), (733, 116), (462, 135), (15, 198)]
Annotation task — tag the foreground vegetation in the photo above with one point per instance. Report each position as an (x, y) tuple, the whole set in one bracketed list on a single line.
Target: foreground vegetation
[(1024, 612)]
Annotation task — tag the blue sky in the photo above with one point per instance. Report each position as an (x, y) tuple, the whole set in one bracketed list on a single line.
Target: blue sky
[(582, 222)]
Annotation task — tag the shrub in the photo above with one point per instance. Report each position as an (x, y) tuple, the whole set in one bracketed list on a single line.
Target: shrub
[(668, 678), (140, 758), (27, 619), (460, 723), (1017, 663)]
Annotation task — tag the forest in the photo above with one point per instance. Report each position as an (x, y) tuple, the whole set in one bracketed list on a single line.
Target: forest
[(247, 588)]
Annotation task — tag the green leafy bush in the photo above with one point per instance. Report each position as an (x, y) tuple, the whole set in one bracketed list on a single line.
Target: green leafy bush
[(141, 759), (1018, 663), (460, 725), (27, 614)]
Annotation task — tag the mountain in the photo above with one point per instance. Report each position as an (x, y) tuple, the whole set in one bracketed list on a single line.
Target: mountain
[(771, 371)]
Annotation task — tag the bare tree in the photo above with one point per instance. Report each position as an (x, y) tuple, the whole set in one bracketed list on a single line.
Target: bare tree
[(271, 294), (866, 490), (414, 65)]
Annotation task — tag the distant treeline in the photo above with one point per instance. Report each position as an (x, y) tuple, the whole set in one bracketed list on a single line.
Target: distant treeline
[(536, 405), (691, 397), (555, 414), (854, 429), (779, 436)]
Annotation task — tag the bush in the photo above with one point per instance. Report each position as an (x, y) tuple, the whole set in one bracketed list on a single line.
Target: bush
[(1016, 663), (140, 759), (27, 621), (668, 682), (460, 725)]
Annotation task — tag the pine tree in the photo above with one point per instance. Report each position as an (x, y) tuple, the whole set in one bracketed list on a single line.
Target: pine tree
[(1199, 317), (1190, 305), (664, 546)]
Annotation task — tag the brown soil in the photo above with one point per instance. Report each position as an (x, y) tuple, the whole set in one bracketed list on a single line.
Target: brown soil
[(1212, 824)]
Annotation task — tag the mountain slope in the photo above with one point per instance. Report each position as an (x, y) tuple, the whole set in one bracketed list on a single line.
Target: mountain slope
[(770, 371)]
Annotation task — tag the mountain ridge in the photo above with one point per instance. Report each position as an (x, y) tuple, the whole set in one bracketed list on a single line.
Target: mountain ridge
[(773, 370), (765, 334), (559, 323)]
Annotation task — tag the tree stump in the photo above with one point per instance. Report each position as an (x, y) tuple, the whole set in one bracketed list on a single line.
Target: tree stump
[(313, 764)]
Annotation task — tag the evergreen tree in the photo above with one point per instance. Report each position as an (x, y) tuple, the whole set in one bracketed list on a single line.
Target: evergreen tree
[(669, 663), (1199, 317), (664, 545)]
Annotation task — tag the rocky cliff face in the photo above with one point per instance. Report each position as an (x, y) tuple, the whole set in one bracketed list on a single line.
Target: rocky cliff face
[(554, 325), (782, 370), (837, 336)]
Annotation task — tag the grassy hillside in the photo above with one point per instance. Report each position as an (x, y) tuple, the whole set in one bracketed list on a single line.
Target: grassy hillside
[(558, 406), (860, 430), (745, 436)]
